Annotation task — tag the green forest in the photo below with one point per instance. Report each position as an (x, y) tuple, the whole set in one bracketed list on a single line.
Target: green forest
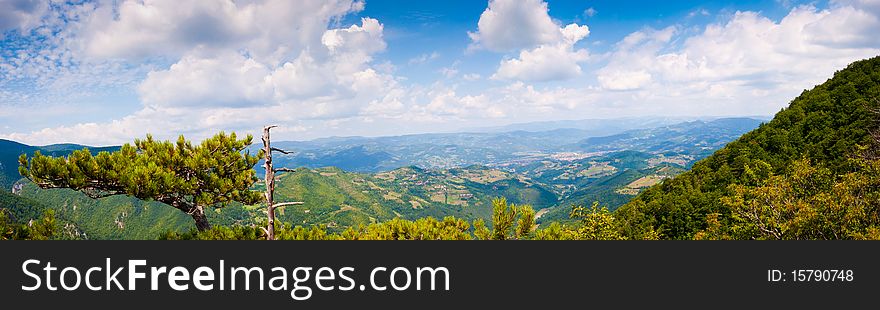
[(812, 172)]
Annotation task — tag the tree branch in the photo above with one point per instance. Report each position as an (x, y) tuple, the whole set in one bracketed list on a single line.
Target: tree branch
[(284, 204), (283, 170), (281, 151)]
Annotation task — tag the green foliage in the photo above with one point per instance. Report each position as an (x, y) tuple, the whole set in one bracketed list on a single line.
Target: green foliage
[(10, 151), (526, 222), (593, 223), (808, 203), (44, 228), (24, 218), (186, 177), (112, 218), (556, 231), (825, 125), (341, 199), (217, 232), (9, 230), (397, 229), (449, 228), (596, 223), (510, 221), (480, 230), (503, 219)]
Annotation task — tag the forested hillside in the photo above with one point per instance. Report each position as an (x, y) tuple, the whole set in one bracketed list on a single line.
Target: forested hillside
[(550, 181), (808, 151)]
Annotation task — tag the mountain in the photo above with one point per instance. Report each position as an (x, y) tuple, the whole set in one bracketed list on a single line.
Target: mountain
[(827, 127), (22, 210), (339, 199), (611, 179), (695, 137), (591, 127), (349, 181), (440, 151), (450, 150)]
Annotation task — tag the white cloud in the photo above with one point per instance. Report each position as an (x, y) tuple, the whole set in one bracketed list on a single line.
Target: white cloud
[(270, 30), (544, 63), (228, 80), (860, 28), (302, 69), (362, 40), (233, 80), (700, 12), (423, 58), (632, 57), (21, 15), (275, 58), (628, 80), (747, 63), (547, 50), (872, 6), (590, 12), (471, 76), (515, 24)]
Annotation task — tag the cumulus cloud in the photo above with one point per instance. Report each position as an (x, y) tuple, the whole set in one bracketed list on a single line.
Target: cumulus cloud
[(548, 62), (872, 6), (747, 51), (514, 24), (361, 39), (270, 30), (546, 51), (231, 60), (234, 80), (227, 80), (748, 64), (633, 56), (860, 26)]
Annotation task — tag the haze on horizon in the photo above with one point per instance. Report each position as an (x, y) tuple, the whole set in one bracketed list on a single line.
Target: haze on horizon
[(105, 72)]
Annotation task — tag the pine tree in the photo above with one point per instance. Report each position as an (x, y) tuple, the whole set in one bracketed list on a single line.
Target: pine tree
[(187, 177), (509, 221)]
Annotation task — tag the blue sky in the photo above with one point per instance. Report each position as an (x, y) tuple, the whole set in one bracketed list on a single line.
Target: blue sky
[(106, 72)]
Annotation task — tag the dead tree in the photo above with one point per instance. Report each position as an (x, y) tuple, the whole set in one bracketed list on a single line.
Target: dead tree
[(270, 183)]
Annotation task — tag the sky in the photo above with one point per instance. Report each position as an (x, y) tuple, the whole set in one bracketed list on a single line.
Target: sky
[(107, 72)]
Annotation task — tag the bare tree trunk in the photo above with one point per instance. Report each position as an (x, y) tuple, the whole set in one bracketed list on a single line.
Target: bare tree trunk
[(198, 215), (270, 184), (195, 211)]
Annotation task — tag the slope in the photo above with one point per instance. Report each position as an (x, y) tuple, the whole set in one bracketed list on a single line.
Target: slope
[(825, 125)]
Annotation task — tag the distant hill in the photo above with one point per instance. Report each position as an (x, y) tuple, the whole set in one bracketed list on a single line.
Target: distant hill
[(439, 151), (825, 125), (695, 137), (590, 127), (339, 199), (451, 150), (350, 181)]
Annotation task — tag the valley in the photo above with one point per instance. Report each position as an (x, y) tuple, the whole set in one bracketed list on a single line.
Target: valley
[(348, 182)]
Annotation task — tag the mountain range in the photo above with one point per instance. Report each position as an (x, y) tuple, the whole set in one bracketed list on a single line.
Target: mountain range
[(359, 180)]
